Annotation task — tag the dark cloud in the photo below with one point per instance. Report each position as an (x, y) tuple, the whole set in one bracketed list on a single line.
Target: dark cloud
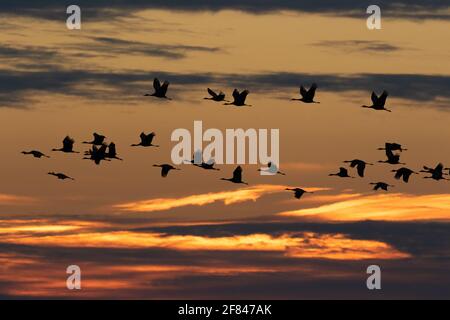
[(129, 86), (104, 9), (358, 45)]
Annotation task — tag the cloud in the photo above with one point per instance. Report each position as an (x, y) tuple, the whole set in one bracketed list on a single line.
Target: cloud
[(358, 45), (12, 199), (104, 9), (388, 207), (227, 197)]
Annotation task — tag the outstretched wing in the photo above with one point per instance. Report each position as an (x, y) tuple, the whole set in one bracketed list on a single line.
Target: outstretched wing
[(439, 168), (164, 171), (236, 95), (156, 84), (212, 93), (398, 174), (361, 167), (382, 98), (303, 92), (243, 96), (237, 174), (164, 87), (312, 90), (374, 98), (150, 136), (112, 149)]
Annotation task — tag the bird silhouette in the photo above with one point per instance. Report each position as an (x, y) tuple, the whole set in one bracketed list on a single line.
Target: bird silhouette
[(98, 139), (146, 140), (404, 173), (381, 185), (437, 173), (360, 166), (215, 96), (160, 90), (239, 98), (112, 153), (273, 169), (60, 176), (35, 153), (378, 102), (237, 176), (392, 146), (391, 158), (307, 95), (165, 168), (67, 145), (97, 154), (343, 173), (298, 192)]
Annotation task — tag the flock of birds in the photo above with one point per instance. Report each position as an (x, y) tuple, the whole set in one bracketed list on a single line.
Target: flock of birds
[(102, 151)]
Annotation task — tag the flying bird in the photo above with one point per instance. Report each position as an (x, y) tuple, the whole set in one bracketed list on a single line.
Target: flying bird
[(404, 173), (98, 140), (35, 153), (146, 140), (67, 145), (307, 95), (391, 158), (343, 173), (97, 154), (112, 152), (437, 173), (298, 193), (160, 90), (165, 168), (378, 102), (239, 98), (392, 146), (272, 169), (60, 176), (237, 176), (215, 96), (360, 166), (381, 185)]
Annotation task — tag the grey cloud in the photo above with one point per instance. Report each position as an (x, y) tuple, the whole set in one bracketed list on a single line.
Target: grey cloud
[(358, 45)]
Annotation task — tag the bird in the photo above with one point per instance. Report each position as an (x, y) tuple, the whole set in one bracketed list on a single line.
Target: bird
[(307, 95), (160, 90), (239, 98), (165, 168), (112, 153), (343, 173), (97, 154), (437, 173), (404, 173), (360, 166), (378, 102), (98, 140), (237, 176), (298, 193), (214, 96), (381, 185), (36, 154), (391, 158), (146, 140), (60, 176), (67, 145), (272, 169), (392, 146)]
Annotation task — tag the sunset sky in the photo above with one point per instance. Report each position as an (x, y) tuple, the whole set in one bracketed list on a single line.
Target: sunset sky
[(191, 235)]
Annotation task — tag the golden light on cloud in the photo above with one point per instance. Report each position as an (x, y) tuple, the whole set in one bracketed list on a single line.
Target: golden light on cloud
[(12, 199), (227, 197), (389, 207)]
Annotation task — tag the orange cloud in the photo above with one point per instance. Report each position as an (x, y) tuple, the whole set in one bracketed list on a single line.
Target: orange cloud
[(389, 207), (228, 197), (11, 199)]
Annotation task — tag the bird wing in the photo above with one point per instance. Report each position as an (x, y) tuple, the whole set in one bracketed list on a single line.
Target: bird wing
[(235, 94), (303, 91), (212, 93), (164, 171), (112, 149), (342, 170), (150, 136), (165, 86), (299, 193), (237, 174), (361, 167), (312, 90), (382, 98), (439, 168), (156, 84), (143, 136), (243, 95), (374, 97), (68, 142), (398, 174)]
